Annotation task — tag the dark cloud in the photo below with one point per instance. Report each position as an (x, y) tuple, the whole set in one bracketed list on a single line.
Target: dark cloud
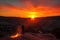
[(52, 3)]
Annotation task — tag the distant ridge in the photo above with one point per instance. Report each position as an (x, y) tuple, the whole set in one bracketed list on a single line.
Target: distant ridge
[(38, 17), (22, 20)]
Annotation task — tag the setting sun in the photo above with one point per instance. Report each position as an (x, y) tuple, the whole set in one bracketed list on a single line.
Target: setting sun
[(28, 11), (32, 17)]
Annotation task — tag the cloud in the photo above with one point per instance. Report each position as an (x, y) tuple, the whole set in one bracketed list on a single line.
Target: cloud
[(18, 3), (51, 3), (46, 7)]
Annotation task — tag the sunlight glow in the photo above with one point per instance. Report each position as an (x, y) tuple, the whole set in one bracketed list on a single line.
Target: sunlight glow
[(15, 36), (18, 34), (32, 15), (28, 10)]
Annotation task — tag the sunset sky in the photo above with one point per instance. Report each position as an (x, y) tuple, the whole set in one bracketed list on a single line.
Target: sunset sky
[(28, 8)]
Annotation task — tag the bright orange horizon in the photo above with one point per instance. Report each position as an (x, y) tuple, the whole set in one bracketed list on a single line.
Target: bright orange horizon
[(29, 11)]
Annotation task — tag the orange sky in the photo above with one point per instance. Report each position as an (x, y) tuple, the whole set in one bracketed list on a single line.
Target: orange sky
[(29, 11)]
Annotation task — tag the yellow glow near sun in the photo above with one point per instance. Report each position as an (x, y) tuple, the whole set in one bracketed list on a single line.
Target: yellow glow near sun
[(32, 15)]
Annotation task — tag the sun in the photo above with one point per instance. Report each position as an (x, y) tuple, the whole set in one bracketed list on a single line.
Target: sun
[(32, 17)]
